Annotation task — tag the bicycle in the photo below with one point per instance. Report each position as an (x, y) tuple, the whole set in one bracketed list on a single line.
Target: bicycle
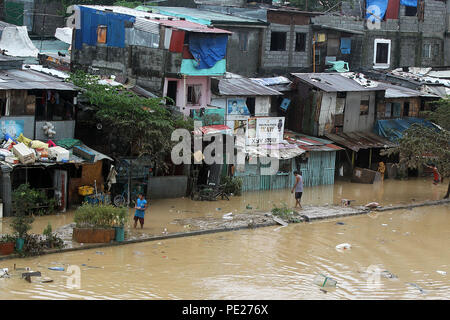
[(121, 199)]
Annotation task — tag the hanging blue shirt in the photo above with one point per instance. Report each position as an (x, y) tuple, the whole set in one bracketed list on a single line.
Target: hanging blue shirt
[(140, 204)]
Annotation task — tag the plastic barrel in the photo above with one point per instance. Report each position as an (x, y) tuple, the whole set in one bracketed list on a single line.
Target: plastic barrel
[(19, 244), (120, 234)]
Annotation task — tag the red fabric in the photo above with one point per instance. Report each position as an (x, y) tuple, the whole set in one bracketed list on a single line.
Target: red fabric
[(392, 9), (177, 41), (436, 174), (186, 53), (51, 143)]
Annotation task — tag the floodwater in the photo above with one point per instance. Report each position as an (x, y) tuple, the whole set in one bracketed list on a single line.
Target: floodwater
[(162, 213), (412, 245)]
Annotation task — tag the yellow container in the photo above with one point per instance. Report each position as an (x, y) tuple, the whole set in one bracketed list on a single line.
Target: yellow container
[(85, 190)]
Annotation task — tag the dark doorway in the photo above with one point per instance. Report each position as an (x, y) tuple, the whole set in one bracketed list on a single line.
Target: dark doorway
[(406, 109), (172, 92)]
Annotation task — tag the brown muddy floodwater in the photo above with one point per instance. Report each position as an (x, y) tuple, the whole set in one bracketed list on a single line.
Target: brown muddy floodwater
[(412, 245)]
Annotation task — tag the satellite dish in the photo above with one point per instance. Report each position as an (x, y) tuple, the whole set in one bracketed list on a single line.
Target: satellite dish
[(99, 126)]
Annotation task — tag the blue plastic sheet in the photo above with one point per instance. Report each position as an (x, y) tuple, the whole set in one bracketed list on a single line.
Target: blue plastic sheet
[(376, 9), (91, 19), (408, 3), (393, 129), (346, 45), (207, 49)]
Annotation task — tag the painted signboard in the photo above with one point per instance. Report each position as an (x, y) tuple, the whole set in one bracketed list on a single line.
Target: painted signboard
[(237, 106), (265, 130), (11, 127)]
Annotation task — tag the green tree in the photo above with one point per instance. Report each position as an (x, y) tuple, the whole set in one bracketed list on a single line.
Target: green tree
[(422, 145), (142, 126)]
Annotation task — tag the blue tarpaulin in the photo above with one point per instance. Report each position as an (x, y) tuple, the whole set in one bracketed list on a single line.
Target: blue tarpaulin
[(346, 45), (376, 9), (91, 19), (408, 3), (392, 129), (207, 49)]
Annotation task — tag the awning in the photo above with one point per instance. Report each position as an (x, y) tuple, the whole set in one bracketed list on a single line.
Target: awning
[(277, 151), (360, 140)]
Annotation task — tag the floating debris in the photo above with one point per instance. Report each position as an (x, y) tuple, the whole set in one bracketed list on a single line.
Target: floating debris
[(228, 216), (388, 275), (280, 221), (248, 207), (340, 223), (343, 246), (441, 272), (56, 268), (416, 286), (324, 281), (99, 252)]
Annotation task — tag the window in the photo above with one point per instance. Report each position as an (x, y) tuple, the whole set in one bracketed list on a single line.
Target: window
[(426, 52), (278, 41), (364, 106), (300, 41), (243, 41), (388, 111), (436, 50), (410, 11), (250, 102), (101, 34), (382, 53), (406, 109), (194, 94)]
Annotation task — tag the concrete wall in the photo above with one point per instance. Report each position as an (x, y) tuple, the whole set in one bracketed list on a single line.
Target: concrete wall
[(288, 58), (245, 63), (47, 17), (167, 187)]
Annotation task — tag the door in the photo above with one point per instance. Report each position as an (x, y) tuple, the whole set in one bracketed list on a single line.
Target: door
[(172, 92)]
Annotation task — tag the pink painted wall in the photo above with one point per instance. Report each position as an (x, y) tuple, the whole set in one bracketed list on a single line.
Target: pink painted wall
[(181, 102)]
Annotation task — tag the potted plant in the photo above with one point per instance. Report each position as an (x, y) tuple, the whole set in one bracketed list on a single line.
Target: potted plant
[(21, 224), (95, 223), (121, 217), (7, 244), (51, 239)]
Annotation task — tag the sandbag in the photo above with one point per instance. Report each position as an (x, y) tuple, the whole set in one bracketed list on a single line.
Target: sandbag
[(26, 141), (36, 144)]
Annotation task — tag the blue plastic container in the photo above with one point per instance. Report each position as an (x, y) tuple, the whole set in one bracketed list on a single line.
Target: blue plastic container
[(19, 244)]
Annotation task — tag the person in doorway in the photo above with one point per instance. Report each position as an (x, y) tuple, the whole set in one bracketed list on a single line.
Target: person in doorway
[(436, 175), (298, 188), (141, 205), (381, 169)]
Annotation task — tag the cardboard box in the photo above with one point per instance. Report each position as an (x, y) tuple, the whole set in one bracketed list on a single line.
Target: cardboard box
[(25, 154), (59, 153)]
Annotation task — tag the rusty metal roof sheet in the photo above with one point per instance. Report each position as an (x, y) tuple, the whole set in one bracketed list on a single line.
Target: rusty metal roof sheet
[(16, 79), (360, 140), (309, 143), (243, 87), (334, 82)]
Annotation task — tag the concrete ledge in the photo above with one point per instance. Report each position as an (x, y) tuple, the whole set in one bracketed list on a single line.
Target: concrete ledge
[(217, 230)]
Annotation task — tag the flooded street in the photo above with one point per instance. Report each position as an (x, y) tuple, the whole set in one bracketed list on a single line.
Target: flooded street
[(262, 263), (162, 213)]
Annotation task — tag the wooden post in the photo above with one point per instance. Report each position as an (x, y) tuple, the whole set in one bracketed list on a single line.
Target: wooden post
[(370, 158), (314, 53), (353, 160)]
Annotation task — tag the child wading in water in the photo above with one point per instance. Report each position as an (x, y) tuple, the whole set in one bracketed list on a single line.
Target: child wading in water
[(141, 205)]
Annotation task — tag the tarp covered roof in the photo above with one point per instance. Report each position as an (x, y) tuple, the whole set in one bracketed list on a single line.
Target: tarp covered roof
[(335, 82), (393, 129), (191, 26), (241, 87), (359, 140), (393, 91), (29, 79)]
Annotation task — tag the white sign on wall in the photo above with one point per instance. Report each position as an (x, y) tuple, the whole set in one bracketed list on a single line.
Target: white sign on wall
[(265, 130)]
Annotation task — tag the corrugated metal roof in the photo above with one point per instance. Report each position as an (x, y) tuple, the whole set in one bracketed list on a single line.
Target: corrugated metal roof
[(127, 11), (393, 91), (360, 140), (333, 82), (244, 87), (191, 26), (309, 143), (147, 25), (205, 16), (29, 79), (323, 26)]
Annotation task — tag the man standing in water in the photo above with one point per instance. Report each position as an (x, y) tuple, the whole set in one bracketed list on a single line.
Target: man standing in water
[(298, 187), (141, 205)]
